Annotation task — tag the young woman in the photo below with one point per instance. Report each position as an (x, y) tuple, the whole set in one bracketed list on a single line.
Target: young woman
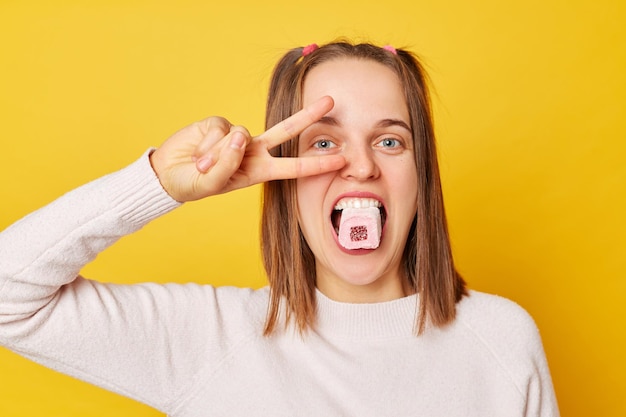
[(365, 313)]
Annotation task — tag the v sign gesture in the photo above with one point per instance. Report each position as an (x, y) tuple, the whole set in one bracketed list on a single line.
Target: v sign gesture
[(213, 157)]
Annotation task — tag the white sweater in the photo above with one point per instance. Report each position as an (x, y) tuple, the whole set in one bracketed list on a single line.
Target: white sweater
[(194, 350)]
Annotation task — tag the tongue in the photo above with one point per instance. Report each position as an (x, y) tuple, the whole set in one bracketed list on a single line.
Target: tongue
[(360, 228)]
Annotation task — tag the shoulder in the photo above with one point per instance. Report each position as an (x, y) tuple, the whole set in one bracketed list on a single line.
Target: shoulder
[(214, 320), (493, 317), (238, 303), (482, 306), (509, 336), (503, 327), (224, 311), (247, 298)]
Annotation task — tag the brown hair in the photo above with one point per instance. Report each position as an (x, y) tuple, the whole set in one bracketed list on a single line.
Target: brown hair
[(427, 256)]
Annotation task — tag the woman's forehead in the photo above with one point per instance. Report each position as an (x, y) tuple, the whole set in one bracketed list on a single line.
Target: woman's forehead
[(359, 87)]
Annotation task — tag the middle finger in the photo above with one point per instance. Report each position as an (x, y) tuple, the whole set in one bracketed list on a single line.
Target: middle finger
[(296, 123)]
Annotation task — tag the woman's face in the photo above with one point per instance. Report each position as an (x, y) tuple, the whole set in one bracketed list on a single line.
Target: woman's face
[(370, 126)]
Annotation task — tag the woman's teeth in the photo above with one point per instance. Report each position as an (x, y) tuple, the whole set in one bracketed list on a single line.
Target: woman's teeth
[(345, 203)]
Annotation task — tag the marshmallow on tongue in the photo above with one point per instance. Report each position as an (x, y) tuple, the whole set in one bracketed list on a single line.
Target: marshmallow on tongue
[(360, 228)]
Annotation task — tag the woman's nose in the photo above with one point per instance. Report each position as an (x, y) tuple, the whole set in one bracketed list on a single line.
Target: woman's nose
[(360, 163)]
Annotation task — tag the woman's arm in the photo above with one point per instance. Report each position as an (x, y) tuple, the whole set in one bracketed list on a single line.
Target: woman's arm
[(136, 340), (79, 327), (48, 248)]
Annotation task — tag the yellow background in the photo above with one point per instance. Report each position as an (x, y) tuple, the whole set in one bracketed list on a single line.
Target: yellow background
[(530, 109)]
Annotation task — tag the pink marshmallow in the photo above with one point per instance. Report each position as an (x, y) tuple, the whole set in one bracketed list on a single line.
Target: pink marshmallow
[(360, 228)]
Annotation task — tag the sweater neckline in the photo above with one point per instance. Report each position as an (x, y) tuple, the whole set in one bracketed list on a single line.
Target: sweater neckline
[(388, 319)]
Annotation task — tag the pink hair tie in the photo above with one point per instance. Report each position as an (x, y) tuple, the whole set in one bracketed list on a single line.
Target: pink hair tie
[(309, 48), (390, 49)]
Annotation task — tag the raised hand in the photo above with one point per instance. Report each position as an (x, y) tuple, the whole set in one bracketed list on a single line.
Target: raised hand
[(213, 157)]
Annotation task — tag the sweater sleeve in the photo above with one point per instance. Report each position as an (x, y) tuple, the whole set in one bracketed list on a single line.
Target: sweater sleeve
[(127, 339)]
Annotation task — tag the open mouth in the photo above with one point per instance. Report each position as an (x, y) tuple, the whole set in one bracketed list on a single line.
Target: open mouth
[(356, 203)]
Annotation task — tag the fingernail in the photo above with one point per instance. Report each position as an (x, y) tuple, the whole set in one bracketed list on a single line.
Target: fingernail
[(237, 141), (203, 164)]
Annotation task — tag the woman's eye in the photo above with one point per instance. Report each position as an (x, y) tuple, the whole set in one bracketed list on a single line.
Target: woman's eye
[(324, 144), (389, 143)]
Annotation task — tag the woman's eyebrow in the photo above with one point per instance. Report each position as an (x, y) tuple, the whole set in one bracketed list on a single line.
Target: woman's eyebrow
[(331, 121), (328, 120), (393, 122)]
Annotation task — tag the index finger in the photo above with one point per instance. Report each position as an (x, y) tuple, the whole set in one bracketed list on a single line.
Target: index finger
[(296, 123)]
